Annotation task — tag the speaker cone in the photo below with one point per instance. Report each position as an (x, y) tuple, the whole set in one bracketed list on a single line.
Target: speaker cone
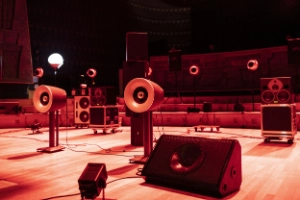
[(252, 65), (84, 102)]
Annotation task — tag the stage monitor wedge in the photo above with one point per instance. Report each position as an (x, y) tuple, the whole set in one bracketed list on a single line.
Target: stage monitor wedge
[(201, 165)]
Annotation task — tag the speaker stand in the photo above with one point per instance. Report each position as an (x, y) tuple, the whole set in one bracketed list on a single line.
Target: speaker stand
[(194, 109), (53, 138), (147, 138), (176, 89)]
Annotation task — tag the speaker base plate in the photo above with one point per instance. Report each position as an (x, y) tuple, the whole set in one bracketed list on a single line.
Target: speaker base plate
[(139, 159), (50, 149)]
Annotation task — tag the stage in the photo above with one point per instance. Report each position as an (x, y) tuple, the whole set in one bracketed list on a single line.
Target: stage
[(270, 171)]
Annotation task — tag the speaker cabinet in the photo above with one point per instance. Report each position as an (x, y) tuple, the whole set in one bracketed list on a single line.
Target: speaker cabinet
[(102, 96), (104, 116), (200, 165), (278, 120), (276, 90), (136, 46), (137, 131), (294, 51), (81, 110), (175, 60), (92, 180)]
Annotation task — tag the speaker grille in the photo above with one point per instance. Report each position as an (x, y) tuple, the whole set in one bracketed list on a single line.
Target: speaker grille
[(203, 174)]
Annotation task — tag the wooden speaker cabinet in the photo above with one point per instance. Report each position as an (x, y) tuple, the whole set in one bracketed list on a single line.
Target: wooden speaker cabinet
[(278, 121)]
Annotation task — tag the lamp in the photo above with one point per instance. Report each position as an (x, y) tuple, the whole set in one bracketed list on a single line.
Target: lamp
[(56, 61)]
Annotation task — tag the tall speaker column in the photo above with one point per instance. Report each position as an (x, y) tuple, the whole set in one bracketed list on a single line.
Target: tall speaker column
[(136, 66)]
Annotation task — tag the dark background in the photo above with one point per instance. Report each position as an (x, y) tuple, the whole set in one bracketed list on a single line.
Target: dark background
[(92, 33)]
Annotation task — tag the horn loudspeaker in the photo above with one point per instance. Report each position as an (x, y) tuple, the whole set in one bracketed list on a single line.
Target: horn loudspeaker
[(142, 95), (48, 98)]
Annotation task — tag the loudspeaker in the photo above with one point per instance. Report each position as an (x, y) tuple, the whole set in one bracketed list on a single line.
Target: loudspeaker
[(81, 109), (92, 180), (294, 51), (276, 90), (175, 60), (142, 95), (104, 115), (200, 165), (49, 98), (104, 95), (278, 118), (136, 46), (132, 70)]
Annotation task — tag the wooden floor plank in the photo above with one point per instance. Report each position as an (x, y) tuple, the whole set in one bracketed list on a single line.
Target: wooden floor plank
[(269, 171)]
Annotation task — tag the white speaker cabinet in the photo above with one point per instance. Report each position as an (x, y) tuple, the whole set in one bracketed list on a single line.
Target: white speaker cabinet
[(104, 117), (81, 111), (278, 121)]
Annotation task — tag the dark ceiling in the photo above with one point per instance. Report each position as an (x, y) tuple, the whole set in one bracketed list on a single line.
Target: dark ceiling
[(91, 33)]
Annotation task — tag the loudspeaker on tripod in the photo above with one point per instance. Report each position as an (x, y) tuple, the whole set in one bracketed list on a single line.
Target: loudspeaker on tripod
[(201, 165)]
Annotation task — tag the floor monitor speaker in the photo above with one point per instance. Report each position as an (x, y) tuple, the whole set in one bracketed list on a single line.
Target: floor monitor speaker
[(201, 165)]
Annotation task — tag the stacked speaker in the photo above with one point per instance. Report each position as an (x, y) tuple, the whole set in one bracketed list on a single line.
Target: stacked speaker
[(278, 111), (87, 99)]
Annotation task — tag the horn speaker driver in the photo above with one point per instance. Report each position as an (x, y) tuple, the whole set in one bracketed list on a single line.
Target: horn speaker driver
[(200, 165), (49, 98), (142, 95)]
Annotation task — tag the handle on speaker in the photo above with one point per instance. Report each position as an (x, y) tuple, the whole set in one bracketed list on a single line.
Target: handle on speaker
[(142, 95), (48, 98), (194, 70), (252, 64)]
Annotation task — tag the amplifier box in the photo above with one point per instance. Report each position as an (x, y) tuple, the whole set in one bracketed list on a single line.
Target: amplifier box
[(104, 116), (278, 120)]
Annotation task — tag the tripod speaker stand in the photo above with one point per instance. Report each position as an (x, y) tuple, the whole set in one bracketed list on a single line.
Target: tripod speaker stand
[(194, 70)]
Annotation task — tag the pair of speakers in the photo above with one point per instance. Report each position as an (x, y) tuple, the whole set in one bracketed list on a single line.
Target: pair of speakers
[(276, 90)]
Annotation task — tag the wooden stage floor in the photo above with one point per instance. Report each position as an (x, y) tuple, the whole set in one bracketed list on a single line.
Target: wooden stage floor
[(270, 171)]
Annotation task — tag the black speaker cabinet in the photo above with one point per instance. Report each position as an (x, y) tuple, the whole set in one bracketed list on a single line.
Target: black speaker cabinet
[(104, 116), (102, 96), (81, 110), (137, 131), (294, 51), (278, 120), (175, 60), (201, 165), (92, 180), (136, 46), (276, 90)]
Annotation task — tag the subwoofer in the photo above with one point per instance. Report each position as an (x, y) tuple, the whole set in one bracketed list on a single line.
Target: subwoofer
[(48, 98), (276, 90), (81, 110), (201, 165)]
